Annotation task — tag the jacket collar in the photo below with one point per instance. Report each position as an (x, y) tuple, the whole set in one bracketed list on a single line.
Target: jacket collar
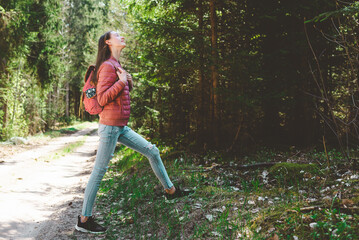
[(113, 58)]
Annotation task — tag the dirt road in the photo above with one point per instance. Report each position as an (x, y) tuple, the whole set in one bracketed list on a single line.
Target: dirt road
[(41, 189)]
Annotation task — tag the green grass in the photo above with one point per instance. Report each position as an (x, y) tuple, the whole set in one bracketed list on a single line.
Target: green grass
[(67, 149), (228, 203)]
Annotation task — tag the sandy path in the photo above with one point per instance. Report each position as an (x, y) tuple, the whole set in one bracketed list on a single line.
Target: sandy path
[(40, 199)]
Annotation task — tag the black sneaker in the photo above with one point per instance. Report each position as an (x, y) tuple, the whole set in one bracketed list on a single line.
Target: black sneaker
[(90, 226), (178, 193)]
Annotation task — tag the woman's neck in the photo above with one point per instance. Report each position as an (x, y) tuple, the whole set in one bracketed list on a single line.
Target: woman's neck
[(116, 53)]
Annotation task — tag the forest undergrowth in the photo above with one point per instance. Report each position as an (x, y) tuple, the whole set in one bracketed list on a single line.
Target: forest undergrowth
[(289, 195)]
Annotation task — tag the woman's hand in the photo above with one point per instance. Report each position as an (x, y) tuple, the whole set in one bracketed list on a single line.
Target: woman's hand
[(130, 82), (122, 75)]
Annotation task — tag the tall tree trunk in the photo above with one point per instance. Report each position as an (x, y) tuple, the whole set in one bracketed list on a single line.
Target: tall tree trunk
[(50, 105), (151, 114), (214, 72), (201, 116), (160, 120), (76, 99), (67, 99), (4, 107)]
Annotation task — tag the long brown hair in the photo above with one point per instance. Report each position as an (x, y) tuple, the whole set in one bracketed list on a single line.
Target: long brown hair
[(103, 54)]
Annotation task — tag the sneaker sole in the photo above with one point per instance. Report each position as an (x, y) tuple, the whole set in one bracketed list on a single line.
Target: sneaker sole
[(80, 229)]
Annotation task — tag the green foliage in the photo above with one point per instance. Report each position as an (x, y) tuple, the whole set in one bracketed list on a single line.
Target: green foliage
[(349, 10), (333, 225), (45, 47)]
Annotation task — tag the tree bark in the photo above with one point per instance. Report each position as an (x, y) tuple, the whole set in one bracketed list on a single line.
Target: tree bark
[(214, 72), (76, 99), (67, 99), (160, 120), (201, 116), (151, 115)]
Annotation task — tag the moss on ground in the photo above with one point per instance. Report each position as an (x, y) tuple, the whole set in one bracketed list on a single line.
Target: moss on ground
[(292, 172)]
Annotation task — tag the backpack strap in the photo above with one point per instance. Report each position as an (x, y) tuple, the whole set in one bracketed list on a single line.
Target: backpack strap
[(130, 85), (81, 107), (90, 69), (110, 60)]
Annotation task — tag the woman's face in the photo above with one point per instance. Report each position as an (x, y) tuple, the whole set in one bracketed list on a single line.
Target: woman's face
[(116, 41)]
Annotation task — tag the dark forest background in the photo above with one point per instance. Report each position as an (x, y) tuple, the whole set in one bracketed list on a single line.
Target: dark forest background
[(209, 75)]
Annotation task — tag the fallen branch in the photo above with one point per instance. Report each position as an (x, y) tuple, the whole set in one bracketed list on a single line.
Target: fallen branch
[(255, 165), (310, 208), (319, 207), (245, 166)]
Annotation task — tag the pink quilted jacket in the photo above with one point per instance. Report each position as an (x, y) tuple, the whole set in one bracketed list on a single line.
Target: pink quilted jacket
[(113, 95)]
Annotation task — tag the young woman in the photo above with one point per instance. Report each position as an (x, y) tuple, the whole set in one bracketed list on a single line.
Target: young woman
[(113, 85)]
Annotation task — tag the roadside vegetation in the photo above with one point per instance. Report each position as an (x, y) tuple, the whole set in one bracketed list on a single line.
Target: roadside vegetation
[(290, 195), (18, 144)]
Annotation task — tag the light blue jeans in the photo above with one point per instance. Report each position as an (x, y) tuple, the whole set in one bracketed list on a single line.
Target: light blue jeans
[(109, 136)]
